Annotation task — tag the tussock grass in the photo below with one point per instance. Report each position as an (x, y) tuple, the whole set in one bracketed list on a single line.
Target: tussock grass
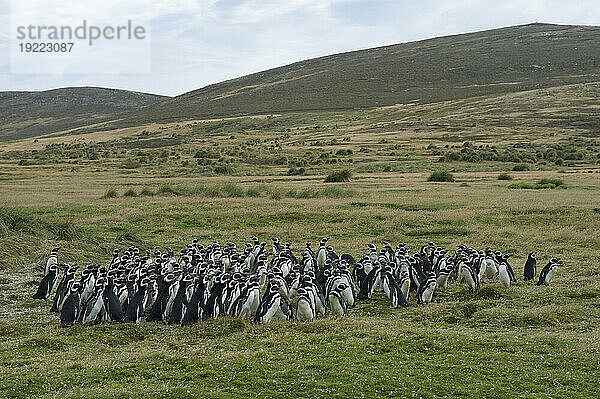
[(339, 176)]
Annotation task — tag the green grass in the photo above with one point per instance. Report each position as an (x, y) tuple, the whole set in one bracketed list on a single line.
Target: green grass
[(441, 176), (339, 176)]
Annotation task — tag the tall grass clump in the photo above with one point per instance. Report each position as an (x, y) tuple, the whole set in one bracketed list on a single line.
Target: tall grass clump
[(441, 176), (130, 193), (110, 193), (339, 176), (504, 176)]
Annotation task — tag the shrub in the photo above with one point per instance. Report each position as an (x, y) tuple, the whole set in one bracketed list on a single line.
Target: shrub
[(295, 172), (441, 176), (339, 176), (110, 193), (223, 170), (521, 167), (504, 176), (554, 182)]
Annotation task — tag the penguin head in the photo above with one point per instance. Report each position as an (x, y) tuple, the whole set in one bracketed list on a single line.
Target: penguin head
[(532, 255)]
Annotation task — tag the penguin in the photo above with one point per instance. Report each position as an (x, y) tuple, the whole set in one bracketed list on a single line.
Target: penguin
[(135, 309), (92, 309), (180, 301), (69, 312), (509, 269), (470, 277), (426, 290), (404, 284), (194, 308), (304, 308), (160, 304), (337, 302), (249, 300), (52, 259), (48, 283), (269, 305), (370, 283), (529, 271), (112, 305), (322, 253), (548, 272), (503, 275), (64, 288)]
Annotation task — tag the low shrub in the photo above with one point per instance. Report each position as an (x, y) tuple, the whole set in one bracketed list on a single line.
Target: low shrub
[(504, 176), (339, 176), (441, 176), (110, 193)]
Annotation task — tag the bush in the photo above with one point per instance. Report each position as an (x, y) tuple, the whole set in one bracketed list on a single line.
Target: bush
[(295, 172), (339, 176), (521, 167), (223, 170), (554, 182), (441, 176), (165, 189), (110, 193), (504, 176)]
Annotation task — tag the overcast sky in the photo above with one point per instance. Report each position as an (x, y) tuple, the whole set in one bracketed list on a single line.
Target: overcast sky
[(198, 42)]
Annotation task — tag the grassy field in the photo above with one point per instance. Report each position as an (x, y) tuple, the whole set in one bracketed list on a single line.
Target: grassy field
[(155, 185)]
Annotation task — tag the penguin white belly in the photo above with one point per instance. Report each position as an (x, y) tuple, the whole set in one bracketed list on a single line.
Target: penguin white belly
[(482, 269), (550, 275), (405, 288), (490, 269), (348, 296), (304, 312), (504, 277), (272, 310), (442, 281), (428, 293), (336, 307), (95, 310), (468, 279)]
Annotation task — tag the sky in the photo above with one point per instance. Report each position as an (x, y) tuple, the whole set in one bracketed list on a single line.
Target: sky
[(194, 43)]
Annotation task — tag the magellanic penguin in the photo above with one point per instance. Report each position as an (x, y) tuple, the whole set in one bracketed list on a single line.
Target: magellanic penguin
[(64, 288), (93, 309), (180, 301), (425, 293), (337, 303), (112, 305), (70, 308), (135, 309), (503, 275), (52, 259), (269, 305), (47, 284), (529, 271), (304, 308), (548, 272)]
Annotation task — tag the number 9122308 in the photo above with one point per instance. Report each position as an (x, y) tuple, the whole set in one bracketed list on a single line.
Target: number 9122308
[(46, 47)]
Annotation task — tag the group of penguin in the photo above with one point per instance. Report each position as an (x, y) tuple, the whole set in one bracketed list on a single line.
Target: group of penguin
[(204, 282)]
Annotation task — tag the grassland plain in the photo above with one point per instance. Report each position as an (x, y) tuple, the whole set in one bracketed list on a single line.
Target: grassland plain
[(163, 184)]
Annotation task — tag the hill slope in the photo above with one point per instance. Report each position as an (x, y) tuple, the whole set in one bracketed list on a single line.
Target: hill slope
[(454, 67), (26, 114)]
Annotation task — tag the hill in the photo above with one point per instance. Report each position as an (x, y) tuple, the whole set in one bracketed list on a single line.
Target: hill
[(25, 114), (497, 61)]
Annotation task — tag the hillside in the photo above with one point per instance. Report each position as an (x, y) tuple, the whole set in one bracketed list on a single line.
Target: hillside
[(497, 61), (26, 114)]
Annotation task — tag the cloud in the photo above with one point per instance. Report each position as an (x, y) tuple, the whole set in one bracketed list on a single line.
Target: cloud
[(198, 42)]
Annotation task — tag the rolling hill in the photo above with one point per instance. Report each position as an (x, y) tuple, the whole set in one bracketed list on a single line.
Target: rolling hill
[(25, 114), (497, 61)]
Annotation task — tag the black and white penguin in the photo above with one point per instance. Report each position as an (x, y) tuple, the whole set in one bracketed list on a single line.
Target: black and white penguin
[(64, 288), (322, 253), (529, 271), (195, 307), (112, 305), (52, 259), (425, 293), (503, 275), (48, 283), (369, 284), (269, 305), (249, 300), (180, 301), (337, 303), (548, 272), (70, 308), (304, 307), (93, 308), (135, 309)]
